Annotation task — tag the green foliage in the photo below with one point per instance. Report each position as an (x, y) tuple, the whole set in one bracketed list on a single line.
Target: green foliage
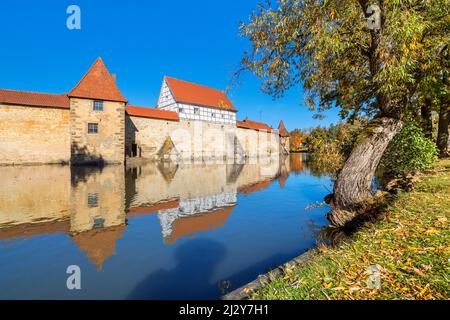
[(325, 150), (297, 140), (409, 151), (330, 147), (327, 47)]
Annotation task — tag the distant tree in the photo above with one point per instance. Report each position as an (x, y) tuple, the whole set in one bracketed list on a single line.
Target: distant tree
[(380, 73), (297, 139), (327, 156), (433, 89)]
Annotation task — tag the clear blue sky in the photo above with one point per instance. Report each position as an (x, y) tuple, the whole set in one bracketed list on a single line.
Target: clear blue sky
[(140, 41)]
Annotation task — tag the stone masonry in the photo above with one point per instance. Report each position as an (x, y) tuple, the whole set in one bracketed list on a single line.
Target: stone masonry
[(93, 123)]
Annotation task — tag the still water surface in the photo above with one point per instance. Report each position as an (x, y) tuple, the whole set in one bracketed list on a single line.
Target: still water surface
[(193, 231)]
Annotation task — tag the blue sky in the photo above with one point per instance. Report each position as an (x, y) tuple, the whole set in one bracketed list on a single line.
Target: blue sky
[(140, 41)]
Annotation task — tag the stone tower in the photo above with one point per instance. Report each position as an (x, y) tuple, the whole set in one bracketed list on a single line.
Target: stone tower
[(284, 139), (97, 118)]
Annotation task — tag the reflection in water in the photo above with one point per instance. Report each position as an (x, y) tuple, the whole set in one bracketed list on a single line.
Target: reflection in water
[(196, 214), (94, 206)]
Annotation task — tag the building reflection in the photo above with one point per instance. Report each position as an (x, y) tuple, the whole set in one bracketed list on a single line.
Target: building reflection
[(196, 215), (94, 205)]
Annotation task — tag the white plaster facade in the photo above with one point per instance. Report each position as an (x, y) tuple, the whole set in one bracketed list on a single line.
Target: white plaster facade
[(192, 112), (193, 206)]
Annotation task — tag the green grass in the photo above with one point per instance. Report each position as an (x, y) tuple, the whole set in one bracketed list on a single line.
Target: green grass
[(411, 245)]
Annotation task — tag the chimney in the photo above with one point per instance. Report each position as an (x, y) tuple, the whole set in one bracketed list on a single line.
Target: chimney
[(114, 76)]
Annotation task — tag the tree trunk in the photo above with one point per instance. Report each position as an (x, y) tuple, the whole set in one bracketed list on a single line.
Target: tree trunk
[(442, 139), (427, 121), (353, 185)]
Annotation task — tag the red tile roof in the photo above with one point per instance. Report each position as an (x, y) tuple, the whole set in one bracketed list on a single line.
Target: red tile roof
[(149, 209), (191, 93), (189, 225), (282, 130), (34, 99), (249, 124), (255, 187), (98, 83), (28, 230), (99, 244), (143, 112)]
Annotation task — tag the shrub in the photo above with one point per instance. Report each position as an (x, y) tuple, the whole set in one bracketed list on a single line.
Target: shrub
[(410, 151), (330, 147)]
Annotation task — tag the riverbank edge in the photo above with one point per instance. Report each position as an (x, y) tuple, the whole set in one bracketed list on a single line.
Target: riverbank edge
[(248, 291)]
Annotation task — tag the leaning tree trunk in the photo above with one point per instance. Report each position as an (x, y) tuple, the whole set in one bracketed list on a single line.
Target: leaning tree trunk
[(353, 185), (443, 135)]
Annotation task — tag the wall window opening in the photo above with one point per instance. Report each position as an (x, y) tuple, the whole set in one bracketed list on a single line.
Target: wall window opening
[(93, 200), (134, 150), (98, 105), (99, 223), (92, 128)]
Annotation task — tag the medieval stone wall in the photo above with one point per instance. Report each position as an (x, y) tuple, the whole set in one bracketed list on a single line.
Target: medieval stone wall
[(254, 144), (36, 135), (30, 135), (192, 140)]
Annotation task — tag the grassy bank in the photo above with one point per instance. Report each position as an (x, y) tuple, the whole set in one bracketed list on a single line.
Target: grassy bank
[(410, 245)]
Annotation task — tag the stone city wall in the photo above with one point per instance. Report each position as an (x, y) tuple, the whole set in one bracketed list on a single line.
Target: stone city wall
[(33, 135), (192, 140), (41, 135)]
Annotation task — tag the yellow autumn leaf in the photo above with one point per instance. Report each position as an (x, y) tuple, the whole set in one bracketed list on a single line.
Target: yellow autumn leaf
[(431, 231), (247, 290)]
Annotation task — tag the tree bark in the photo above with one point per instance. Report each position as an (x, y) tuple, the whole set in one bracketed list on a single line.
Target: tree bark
[(353, 185), (427, 121), (443, 135)]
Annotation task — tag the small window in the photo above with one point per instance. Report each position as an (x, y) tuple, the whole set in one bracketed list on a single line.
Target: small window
[(180, 110), (99, 223), (213, 115), (196, 111), (93, 200), (92, 128), (98, 105)]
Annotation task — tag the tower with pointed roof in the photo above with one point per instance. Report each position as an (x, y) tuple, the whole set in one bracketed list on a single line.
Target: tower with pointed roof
[(284, 138), (97, 118), (195, 102)]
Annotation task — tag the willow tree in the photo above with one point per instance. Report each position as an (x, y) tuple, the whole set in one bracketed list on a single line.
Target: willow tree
[(328, 47)]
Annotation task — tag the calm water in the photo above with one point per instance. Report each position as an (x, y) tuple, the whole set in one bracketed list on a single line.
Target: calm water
[(153, 231)]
